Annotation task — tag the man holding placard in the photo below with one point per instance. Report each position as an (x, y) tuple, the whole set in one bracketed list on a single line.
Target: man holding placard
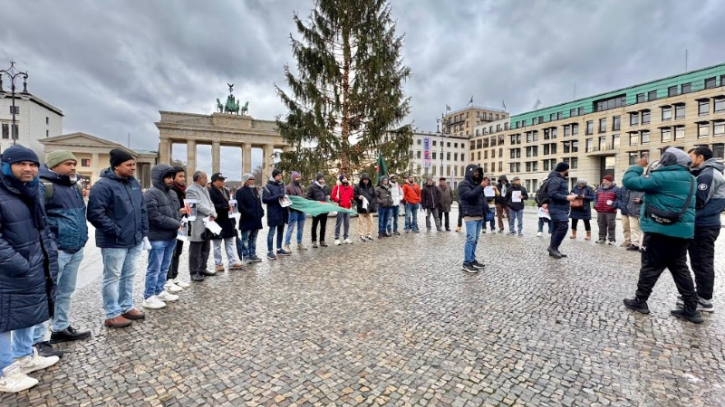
[(221, 198)]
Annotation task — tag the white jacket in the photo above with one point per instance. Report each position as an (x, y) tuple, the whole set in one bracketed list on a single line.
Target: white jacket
[(396, 192)]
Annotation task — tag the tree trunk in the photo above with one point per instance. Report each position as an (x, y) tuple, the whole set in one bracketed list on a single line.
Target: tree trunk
[(345, 120)]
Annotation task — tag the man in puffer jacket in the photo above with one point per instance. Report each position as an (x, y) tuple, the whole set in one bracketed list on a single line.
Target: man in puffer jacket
[(605, 203), (474, 208), (164, 215), (430, 202), (366, 205), (668, 223)]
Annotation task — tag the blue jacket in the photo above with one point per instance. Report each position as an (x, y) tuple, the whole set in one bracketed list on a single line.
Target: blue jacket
[(586, 212), (622, 199), (276, 214), (28, 257), (162, 206), (66, 211), (558, 190), (116, 208), (471, 199), (710, 193), (665, 189)]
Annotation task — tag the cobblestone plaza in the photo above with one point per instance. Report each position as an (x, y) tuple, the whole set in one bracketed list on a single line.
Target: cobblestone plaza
[(396, 322)]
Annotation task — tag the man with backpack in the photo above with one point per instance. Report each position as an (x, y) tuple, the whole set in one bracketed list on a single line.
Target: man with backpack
[(554, 195)]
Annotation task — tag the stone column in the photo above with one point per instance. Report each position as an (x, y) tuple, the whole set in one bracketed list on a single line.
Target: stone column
[(246, 158), (215, 157), (96, 168), (267, 161), (165, 151), (190, 160)]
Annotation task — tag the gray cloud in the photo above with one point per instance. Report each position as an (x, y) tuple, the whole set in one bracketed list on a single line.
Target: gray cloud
[(111, 66)]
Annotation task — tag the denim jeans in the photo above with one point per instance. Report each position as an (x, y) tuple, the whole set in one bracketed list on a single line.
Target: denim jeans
[(434, 213), (295, 218), (393, 221), (248, 244), (159, 261), (516, 216), (228, 247), (343, 219), (15, 344), (119, 269), (6, 354), (384, 214), (473, 231), (541, 224), (411, 217), (270, 237)]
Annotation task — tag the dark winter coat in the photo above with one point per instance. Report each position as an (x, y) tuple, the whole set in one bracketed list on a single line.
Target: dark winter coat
[(116, 209), (162, 206), (431, 197), (276, 214), (710, 193), (502, 187), (557, 190), (368, 191), (516, 206), (607, 194), (317, 192), (66, 211), (28, 256), (446, 199), (634, 208), (471, 200), (383, 196), (622, 198), (585, 212), (220, 198), (250, 209)]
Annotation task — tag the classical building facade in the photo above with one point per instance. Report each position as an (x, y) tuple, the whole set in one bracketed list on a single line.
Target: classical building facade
[(93, 156), (35, 120), (606, 133), (461, 122), (218, 129)]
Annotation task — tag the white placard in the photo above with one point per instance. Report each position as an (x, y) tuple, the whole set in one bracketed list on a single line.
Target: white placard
[(191, 208), (233, 209), (212, 226), (516, 196), (544, 213), (489, 191)]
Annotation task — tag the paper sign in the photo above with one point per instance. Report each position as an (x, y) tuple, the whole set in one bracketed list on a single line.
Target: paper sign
[(516, 196), (212, 226), (190, 205), (489, 192), (233, 209), (544, 213), (183, 233)]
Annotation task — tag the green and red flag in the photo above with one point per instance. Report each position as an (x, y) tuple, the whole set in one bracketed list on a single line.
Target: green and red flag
[(381, 169)]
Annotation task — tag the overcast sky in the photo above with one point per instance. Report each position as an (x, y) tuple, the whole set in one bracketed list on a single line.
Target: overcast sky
[(111, 66)]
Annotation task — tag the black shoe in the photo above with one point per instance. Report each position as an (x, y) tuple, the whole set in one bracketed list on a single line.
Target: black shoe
[(478, 265), (314, 245), (554, 253), (692, 315), (633, 248), (635, 304), (323, 244), (468, 268), (448, 230), (45, 349), (208, 273), (197, 277), (69, 334), (562, 254), (396, 233)]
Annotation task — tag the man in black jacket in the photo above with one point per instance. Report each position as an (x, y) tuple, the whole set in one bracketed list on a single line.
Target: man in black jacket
[(515, 197), (173, 284), (220, 197), (431, 197), (250, 220), (473, 206), (318, 191)]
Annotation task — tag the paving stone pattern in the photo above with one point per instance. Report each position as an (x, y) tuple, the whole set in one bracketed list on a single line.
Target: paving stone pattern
[(396, 322)]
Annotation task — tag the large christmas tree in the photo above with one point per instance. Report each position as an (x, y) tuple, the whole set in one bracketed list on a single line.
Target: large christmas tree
[(346, 102)]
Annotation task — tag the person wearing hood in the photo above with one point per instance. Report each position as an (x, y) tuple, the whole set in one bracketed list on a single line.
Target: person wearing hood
[(397, 194), (606, 203), (502, 187), (366, 206), (709, 204), (29, 269), (250, 218), (384, 200), (277, 215), (411, 199), (116, 209), (173, 283), (296, 218), (220, 197), (633, 203), (581, 208), (668, 223), (319, 192), (162, 206), (199, 239), (516, 194), (344, 195), (66, 210), (472, 202), (445, 203), (430, 202), (557, 202)]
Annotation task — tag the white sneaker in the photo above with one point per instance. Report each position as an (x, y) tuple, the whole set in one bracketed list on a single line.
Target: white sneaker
[(172, 288), (287, 248), (153, 302), (166, 297), (539, 234), (29, 364), (337, 242), (14, 380), (180, 284), (348, 241)]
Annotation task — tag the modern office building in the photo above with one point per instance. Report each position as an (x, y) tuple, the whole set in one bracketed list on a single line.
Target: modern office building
[(447, 156), (606, 133)]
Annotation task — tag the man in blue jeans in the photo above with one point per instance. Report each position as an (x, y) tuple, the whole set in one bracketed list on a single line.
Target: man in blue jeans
[(474, 208), (296, 218), (515, 197), (116, 209), (250, 219)]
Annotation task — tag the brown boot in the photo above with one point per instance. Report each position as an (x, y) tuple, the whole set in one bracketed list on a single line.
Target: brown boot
[(118, 322), (134, 314), (573, 234), (589, 236)]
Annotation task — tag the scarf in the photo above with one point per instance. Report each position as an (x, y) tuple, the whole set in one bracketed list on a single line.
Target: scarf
[(28, 193), (180, 187)]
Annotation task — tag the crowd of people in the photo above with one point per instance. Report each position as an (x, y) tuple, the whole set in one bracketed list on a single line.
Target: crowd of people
[(670, 209)]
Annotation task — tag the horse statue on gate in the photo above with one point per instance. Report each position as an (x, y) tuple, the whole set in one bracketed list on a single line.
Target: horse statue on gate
[(219, 106), (232, 105), (245, 108)]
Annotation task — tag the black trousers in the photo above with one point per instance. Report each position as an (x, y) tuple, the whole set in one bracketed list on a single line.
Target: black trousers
[(174, 266), (558, 234), (661, 252), (322, 221), (587, 224), (198, 256), (460, 217), (702, 259), (447, 216)]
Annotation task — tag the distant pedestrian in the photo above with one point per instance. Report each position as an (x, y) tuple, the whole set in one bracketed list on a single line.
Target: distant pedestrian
[(296, 218), (557, 202), (411, 199), (250, 218), (116, 209), (634, 200), (430, 202), (445, 203), (622, 199), (220, 197), (344, 195), (581, 208), (473, 206), (516, 195), (173, 283), (397, 194), (366, 206), (277, 215), (605, 203), (385, 206), (319, 192), (502, 187), (199, 236)]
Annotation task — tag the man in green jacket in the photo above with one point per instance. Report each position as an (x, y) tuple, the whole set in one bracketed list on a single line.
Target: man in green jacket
[(667, 219)]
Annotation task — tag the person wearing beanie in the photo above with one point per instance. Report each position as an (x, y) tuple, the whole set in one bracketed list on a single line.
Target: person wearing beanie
[(557, 200), (318, 191), (396, 192), (116, 209), (296, 218), (606, 203), (250, 220), (173, 283), (277, 215), (30, 260), (343, 195), (668, 223), (66, 211)]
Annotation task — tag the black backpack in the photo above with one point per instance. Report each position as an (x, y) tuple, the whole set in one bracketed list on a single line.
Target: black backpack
[(542, 195)]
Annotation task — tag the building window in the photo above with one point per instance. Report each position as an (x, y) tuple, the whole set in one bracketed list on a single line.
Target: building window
[(17, 109), (546, 165), (644, 137), (710, 83), (567, 149), (418, 154), (485, 154), (615, 141), (589, 146), (580, 111), (575, 146), (616, 123), (448, 156), (479, 155), (473, 156), (645, 116), (686, 87), (672, 91), (500, 166), (703, 107), (16, 131), (703, 130), (434, 155), (85, 162), (47, 120), (679, 111), (679, 133), (633, 157), (574, 129), (666, 135), (419, 142), (652, 95), (633, 139), (666, 113), (572, 112), (567, 131), (634, 119), (640, 97), (434, 143), (603, 143), (6, 131), (493, 153), (603, 125), (574, 163), (610, 103), (718, 151), (718, 128), (553, 133), (47, 134), (719, 104)]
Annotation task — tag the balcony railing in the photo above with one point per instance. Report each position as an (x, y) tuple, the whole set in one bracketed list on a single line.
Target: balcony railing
[(602, 147)]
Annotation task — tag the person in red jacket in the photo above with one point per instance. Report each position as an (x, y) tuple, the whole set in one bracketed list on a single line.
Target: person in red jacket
[(343, 194), (411, 199), (605, 203)]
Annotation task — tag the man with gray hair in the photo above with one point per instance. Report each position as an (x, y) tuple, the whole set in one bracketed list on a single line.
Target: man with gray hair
[(199, 240)]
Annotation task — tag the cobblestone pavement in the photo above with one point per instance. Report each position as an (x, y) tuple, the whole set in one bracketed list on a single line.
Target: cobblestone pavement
[(396, 322)]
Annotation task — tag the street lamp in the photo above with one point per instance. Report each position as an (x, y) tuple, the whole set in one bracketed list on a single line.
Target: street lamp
[(13, 73)]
